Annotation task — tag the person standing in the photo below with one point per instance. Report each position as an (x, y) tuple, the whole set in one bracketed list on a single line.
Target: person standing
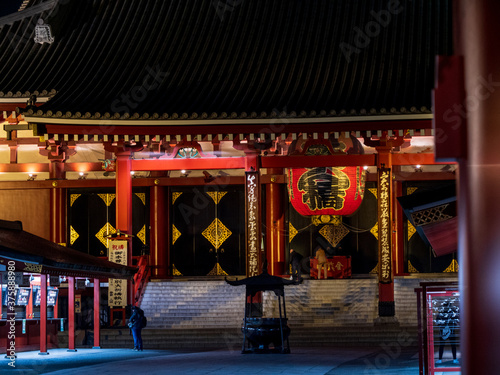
[(322, 262), (136, 325), (295, 260)]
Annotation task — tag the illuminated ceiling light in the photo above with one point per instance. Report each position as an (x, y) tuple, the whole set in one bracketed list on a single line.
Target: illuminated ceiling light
[(365, 167), (31, 177), (82, 176)]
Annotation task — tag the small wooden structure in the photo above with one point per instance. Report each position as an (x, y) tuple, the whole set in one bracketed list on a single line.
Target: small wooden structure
[(260, 332)]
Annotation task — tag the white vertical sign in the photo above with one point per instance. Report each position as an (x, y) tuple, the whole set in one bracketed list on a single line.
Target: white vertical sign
[(117, 290)]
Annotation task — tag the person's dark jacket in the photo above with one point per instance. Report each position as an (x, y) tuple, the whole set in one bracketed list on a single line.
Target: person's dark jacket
[(136, 318), (295, 258)]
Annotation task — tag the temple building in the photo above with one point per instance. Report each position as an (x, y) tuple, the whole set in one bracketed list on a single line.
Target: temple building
[(212, 137)]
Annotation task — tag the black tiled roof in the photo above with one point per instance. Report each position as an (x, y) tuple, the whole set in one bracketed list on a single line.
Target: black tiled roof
[(234, 57)]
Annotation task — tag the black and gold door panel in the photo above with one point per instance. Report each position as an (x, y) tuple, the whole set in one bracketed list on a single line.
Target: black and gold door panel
[(207, 231)]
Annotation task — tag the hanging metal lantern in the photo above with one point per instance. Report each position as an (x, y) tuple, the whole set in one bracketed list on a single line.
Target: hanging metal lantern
[(326, 190)]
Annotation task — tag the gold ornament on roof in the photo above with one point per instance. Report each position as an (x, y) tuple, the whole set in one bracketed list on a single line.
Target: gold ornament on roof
[(374, 230)]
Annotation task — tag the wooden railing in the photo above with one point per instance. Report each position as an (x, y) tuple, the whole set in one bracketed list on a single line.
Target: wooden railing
[(140, 279)]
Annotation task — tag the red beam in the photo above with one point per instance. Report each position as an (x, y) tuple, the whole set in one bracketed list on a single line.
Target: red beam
[(25, 167), (179, 164)]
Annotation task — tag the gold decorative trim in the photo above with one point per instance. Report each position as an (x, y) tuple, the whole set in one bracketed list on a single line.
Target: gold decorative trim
[(107, 198), (375, 270), (217, 271), (142, 197), (453, 267), (410, 190), (412, 269), (292, 232), (175, 234), (175, 195), (334, 233), (374, 191), (73, 234), (216, 233), (374, 230), (142, 234), (326, 219), (216, 195), (411, 230), (73, 198), (104, 232), (30, 267), (175, 271)]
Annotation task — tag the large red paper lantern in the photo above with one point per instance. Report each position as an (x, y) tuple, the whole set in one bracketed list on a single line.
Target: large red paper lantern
[(326, 190)]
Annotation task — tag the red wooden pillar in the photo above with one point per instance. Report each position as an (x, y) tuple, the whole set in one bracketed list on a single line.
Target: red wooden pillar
[(97, 318), (159, 229), (58, 215), (275, 219), (43, 315), (124, 204), (71, 314), (479, 176)]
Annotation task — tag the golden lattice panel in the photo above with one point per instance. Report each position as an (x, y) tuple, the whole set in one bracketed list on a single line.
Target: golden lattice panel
[(292, 232), (411, 230), (216, 233), (175, 195), (107, 198), (334, 233), (175, 234), (216, 195), (374, 192), (217, 271), (73, 198), (374, 230), (73, 235), (142, 197), (142, 234), (104, 232), (453, 267)]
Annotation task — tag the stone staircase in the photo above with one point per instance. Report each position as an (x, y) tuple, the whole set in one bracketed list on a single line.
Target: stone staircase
[(209, 314)]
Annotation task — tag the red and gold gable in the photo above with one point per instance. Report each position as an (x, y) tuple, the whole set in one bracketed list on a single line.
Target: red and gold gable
[(326, 190)]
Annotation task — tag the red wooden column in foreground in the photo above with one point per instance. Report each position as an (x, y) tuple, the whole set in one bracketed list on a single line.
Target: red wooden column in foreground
[(43, 315), (97, 318), (71, 314), (479, 176), (124, 204), (275, 237)]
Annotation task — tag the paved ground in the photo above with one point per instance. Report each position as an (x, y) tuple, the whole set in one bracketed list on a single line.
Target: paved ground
[(311, 361)]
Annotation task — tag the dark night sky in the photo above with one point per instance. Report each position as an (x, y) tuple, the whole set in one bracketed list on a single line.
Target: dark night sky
[(9, 6)]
